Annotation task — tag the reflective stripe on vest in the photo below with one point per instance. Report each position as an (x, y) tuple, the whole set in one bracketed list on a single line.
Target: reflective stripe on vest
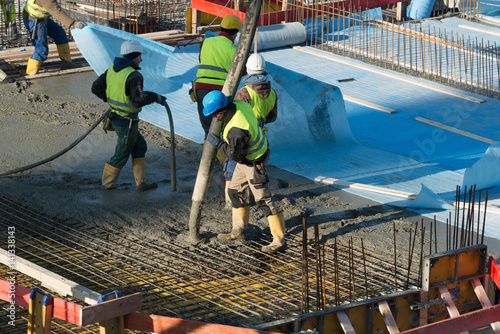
[(115, 93), (261, 107), (244, 119), (215, 60), (35, 10)]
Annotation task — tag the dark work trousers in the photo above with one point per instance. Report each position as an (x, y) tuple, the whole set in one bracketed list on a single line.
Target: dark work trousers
[(204, 120), (136, 145)]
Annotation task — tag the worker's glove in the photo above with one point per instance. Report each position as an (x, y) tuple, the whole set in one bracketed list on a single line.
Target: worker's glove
[(78, 24), (161, 100), (214, 140)]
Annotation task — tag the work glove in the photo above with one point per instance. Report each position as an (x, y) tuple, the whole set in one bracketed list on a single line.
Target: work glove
[(214, 140), (161, 100), (78, 24)]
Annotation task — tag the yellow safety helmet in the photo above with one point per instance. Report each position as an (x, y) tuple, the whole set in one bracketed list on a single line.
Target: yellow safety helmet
[(231, 22)]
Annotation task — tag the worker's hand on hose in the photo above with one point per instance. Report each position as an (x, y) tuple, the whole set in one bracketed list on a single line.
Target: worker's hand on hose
[(161, 100), (214, 140), (78, 24)]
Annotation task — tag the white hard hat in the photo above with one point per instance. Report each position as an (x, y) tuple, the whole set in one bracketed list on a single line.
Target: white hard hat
[(256, 64), (130, 46)]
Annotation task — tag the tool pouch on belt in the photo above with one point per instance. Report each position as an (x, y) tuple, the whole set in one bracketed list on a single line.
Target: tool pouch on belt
[(192, 92), (259, 174), (106, 125)]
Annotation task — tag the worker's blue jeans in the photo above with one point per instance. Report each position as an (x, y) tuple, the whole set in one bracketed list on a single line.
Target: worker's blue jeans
[(136, 145), (44, 28)]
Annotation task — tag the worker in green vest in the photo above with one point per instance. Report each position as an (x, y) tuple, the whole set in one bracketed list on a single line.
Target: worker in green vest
[(9, 18), (121, 86), (37, 20), (243, 141), (216, 56)]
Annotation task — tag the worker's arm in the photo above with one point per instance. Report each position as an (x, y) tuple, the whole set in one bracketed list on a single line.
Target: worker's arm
[(55, 10), (273, 114), (236, 146), (99, 87), (138, 97)]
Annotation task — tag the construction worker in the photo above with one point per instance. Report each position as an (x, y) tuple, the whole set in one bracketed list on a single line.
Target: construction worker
[(243, 141), (121, 87), (37, 20), (258, 93), (9, 18), (216, 56)]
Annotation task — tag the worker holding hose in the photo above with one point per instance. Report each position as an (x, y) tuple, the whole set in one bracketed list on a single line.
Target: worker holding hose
[(37, 20), (121, 86), (258, 93), (242, 140)]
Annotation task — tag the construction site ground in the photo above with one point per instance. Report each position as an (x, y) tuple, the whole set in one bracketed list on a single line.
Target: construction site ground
[(147, 231)]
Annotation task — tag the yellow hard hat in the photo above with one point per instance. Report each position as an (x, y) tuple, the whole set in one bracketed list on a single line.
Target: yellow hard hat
[(231, 22)]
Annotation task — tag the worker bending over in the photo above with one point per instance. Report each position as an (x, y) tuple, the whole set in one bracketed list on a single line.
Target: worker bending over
[(216, 56), (37, 20), (258, 93), (243, 141), (121, 87)]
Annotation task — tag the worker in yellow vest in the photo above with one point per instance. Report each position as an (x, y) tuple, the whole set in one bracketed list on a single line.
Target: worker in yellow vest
[(258, 93), (243, 141), (216, 56), (37, 20), (9, 18), (121, 86)]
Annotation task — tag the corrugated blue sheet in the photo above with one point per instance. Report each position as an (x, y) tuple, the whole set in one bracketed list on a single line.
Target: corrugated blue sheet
[(315, 135)]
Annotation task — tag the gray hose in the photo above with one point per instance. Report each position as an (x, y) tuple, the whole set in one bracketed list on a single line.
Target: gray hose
[(57, 155)]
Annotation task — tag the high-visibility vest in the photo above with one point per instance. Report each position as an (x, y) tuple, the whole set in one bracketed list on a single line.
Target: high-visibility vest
[(35, 10), (244, 119), (115, 92), (215, 60), (261, 107)]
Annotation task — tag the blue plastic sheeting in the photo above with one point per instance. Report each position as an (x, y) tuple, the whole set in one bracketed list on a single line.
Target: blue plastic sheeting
[(420, 9), (427, 199), (486, 172), (316, 133)]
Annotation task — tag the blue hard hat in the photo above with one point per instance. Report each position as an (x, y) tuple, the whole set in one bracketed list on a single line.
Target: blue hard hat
[(214, 101)]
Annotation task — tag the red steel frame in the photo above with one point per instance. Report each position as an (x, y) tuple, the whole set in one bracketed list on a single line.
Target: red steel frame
[(217, 8)]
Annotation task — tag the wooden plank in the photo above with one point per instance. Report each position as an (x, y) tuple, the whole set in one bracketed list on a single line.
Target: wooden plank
[(161, 324), (369, 104), (345, 323), (385, 310), (423, 313), (450, 305), (483, 298), (110, 309), (21, 294), (367, 187), (52, 281), (454, 130), (494, 269), (112, 326), (468, 321)]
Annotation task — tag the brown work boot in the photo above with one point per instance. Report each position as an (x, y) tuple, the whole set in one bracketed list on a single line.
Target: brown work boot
[(139, 168)]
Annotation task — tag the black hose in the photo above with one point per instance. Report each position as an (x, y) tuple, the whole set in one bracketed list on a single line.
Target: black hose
[(173, 182), (57, 155)]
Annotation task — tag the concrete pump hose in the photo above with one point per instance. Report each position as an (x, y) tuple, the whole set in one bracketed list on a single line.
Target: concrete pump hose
[(57, 155)]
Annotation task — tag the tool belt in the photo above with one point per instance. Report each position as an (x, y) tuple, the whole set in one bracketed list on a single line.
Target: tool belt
[(192, 92)]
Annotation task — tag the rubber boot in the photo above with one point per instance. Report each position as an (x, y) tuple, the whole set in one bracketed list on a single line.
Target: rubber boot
[(139, 168), (226, 195), (277, 226), (33, 66), (109, 176), (65, 55), (241, 216)]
